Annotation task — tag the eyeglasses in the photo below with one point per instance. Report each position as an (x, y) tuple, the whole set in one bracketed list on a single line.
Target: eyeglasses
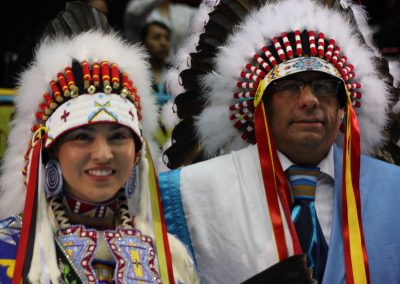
[(294, 88)]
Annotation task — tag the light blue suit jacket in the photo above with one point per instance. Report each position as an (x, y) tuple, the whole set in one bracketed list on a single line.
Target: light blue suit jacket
[(380, 207), (380, 203)]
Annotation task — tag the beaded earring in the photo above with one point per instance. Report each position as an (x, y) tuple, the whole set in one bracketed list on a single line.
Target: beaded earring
[(130, 185), (54, 179)]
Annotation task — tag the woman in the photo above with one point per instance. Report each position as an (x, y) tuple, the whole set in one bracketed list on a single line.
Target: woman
[(92, 211)]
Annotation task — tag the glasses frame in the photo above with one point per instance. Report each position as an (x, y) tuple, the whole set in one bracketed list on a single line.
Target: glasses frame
[(303, 84)]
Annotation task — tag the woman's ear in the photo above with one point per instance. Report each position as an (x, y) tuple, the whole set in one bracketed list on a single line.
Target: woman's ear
[(52, 152)]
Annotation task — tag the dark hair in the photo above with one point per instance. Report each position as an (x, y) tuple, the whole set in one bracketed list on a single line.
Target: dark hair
[(144, 32)]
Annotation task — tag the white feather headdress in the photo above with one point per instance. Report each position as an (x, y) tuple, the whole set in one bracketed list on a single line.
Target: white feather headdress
[(52, 56), (214, 125)]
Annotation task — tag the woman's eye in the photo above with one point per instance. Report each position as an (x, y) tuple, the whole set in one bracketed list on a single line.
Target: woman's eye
[(120, 136), (82, 137)]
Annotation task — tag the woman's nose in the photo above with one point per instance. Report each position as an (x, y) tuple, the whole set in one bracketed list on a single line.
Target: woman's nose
[(101, 150)]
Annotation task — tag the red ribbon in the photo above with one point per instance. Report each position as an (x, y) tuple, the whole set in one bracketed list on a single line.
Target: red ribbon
[(275, 184), (28, 212)]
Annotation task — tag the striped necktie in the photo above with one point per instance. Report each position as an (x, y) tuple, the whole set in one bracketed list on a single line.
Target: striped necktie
[(303, 183)]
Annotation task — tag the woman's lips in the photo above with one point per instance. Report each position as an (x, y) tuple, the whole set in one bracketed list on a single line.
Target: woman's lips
[(103, 174)]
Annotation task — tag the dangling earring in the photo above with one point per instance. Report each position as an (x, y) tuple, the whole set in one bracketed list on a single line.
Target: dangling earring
[(54, 179), (130, 185)]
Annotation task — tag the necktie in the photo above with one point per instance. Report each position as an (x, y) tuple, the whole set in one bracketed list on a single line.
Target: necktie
[(303, 183)]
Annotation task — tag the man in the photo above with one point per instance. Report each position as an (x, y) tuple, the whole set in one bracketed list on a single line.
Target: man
[(156, 37), (175, 14), (286, 81)]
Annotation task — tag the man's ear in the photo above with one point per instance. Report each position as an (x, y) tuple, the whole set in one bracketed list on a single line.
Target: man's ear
[(341, 114)]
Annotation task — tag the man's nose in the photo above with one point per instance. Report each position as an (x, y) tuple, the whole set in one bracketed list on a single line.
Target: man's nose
[(101, 150), (307, 97)]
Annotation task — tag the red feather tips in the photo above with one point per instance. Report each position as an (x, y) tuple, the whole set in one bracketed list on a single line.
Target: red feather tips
[(321, 45), (329, 50), (288, 47), (115, 76), (299, 46), (71, 82), (105, 77), (65, 87), (63, 84), (311, 39), (56, 91), (269, 56), (87, 78), (96, 74), (279, 49)]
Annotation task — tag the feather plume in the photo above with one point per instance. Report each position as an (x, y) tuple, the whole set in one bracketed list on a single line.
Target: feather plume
[(77, 17)]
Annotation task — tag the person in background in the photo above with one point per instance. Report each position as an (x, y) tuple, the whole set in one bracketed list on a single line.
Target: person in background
[(156, 37), (176, 15)]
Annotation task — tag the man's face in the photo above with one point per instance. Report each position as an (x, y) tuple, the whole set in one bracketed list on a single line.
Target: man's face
[(158, 42), (304, 122)]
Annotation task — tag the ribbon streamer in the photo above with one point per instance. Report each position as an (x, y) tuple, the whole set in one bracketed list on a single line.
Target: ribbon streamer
[(355, 254), (275, 185), (160, 230)]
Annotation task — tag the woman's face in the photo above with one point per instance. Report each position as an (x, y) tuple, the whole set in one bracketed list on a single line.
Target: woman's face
[(96, 160)]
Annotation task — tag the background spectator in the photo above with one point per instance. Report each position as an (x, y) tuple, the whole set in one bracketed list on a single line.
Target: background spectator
[(156, 37), (176, 15)]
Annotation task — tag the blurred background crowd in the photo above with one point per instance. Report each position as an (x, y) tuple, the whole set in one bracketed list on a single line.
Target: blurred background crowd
[(159, 24)]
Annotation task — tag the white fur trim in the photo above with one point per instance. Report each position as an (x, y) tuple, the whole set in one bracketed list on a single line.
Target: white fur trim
[(52, 56), (257, 30)]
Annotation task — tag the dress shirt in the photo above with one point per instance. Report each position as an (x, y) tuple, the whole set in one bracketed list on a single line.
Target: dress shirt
[(324, 192)]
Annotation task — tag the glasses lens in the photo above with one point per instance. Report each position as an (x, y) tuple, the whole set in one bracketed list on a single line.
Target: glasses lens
[(289, 86), (325, 87)]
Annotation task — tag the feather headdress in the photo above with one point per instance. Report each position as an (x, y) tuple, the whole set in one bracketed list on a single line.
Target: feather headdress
[(226, 47), (52, 57)]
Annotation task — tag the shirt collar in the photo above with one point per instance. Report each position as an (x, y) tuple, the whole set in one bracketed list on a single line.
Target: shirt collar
[(326, 165)]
